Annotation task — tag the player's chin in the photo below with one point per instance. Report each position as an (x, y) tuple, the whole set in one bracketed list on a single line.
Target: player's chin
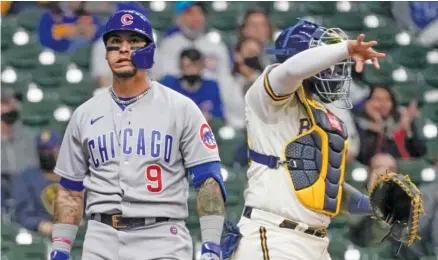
[(125, 73)]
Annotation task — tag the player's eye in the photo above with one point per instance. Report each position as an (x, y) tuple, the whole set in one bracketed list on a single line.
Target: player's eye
[(115, 40), (135, 40)]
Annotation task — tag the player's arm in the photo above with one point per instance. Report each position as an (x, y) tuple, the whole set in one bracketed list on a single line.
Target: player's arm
[(355, 202), (287, 77), (210, 200), (72, 166), (201, 158)]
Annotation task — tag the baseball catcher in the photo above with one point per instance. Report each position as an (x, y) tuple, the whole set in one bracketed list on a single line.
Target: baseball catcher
[(297, 152)]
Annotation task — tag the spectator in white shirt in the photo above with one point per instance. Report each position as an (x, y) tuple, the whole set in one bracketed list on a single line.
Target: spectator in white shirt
[(192, 34)]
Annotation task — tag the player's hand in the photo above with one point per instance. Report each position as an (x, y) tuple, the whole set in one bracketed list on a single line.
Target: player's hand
[(210, 251), (59, 255), (361, 51)]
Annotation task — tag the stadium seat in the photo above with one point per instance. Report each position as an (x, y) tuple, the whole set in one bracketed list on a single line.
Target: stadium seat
[(337, 247), (281, 20), (223, 21), (381, 8), (38, 114), (431, 76), (430, 110), (8, 28), (23, 57), (29, 18), (350, 21), (19, 83), (320, 8), (81, 57), (410, 56), (29, 252), (161, 20), (385, 36), (432, 150), (413, 168), (406, 92), (339, 221), (228, 145), (74, 95), (382, 76)]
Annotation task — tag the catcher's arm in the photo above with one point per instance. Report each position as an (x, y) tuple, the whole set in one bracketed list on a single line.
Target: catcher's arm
[(354, 201)]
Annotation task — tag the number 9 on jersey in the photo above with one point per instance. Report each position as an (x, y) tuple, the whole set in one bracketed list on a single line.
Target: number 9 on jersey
[(154, 179)]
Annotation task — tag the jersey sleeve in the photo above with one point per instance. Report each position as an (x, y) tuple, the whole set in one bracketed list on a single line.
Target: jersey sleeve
[(72, 163), (198, 144)]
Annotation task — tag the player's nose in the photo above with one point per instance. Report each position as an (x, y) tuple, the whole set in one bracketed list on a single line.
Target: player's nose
[(125, 46)]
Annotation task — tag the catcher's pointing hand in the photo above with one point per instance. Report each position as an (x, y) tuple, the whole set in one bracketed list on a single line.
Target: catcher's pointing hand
[(361, 51)]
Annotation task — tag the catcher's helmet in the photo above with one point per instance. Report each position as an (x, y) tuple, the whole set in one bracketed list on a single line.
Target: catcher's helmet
[(330, 85), (130, 20)]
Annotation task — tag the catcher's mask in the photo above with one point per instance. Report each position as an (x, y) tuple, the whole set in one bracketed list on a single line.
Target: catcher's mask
[(331, 85)]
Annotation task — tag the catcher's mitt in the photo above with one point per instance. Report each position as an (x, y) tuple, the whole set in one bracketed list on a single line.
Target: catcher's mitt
[(397, 201)]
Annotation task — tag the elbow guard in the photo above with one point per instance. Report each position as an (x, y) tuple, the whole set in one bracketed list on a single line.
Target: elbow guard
[(202, 172)]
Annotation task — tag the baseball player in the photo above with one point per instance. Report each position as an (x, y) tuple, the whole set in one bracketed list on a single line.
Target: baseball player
[(130, 149), (297, 148)]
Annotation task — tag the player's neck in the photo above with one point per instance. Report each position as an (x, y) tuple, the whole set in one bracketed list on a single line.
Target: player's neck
[(131, 87)]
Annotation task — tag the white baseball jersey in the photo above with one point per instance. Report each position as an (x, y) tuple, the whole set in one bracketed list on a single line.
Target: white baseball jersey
[(134, 160), (271, 125)]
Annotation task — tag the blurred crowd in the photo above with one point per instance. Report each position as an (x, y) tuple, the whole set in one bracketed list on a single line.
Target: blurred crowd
[(386, 130)]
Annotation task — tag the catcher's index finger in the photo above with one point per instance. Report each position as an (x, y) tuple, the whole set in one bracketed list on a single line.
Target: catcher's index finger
[(360, 38)]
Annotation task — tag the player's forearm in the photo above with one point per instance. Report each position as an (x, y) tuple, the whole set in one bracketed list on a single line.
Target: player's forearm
[(355, 202), (69, 206), (209, 199), (211, 210), (288, 76)]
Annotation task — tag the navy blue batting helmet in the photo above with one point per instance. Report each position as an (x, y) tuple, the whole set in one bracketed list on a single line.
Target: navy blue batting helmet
[(330, 85), (130, 20)]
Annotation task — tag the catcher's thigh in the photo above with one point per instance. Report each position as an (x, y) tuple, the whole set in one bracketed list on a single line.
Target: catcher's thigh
[(266, 241)]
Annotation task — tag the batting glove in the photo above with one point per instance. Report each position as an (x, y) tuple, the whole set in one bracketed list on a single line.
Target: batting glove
[(210, 251), (59, 255)]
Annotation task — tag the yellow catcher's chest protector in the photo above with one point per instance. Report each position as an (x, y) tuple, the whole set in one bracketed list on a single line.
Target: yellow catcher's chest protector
[(316, 159)]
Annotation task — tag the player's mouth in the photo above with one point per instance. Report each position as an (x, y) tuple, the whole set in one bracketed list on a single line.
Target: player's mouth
[(124, 62)]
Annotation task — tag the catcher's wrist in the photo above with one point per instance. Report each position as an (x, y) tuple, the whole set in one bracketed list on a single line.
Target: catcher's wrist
[(63, 236), (359, 204)]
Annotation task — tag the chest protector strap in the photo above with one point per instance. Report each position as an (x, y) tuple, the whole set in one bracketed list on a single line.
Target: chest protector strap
[(314, 160)]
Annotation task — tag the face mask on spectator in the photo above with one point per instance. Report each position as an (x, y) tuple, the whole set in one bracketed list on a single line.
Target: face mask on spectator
[(191, 79), (10, 117), (190, 33), (47, 162), (253, 63)]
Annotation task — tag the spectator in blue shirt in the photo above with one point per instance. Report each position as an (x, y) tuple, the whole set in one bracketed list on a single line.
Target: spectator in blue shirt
[(34, 190), (68, 26), (205, 93)]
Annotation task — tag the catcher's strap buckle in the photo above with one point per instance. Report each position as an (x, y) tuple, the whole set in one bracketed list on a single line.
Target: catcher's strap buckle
[(273, 162)]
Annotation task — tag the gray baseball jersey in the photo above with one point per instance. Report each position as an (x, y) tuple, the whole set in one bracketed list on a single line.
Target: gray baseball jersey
[(134, 160)]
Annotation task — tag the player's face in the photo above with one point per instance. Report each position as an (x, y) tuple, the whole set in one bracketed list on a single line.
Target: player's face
[(119, 49)]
